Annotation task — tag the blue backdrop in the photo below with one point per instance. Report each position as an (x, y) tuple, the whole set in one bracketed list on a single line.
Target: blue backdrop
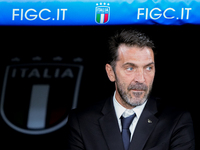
[(95, 12)]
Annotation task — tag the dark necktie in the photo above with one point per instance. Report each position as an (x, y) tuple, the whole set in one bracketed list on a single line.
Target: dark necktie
[(126, 122)]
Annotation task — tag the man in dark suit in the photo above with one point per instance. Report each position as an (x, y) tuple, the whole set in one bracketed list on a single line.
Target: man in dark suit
[(130, 119)]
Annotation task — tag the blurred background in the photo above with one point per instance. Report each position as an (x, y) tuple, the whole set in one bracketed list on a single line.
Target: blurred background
[(65, 66)]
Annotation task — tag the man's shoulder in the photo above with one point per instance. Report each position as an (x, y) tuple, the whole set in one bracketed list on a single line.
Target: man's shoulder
[(91, 110)]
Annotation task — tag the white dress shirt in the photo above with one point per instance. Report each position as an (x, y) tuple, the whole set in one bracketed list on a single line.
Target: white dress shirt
[(119, 110)]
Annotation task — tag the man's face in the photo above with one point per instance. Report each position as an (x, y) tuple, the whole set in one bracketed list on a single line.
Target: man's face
[(134, 74)]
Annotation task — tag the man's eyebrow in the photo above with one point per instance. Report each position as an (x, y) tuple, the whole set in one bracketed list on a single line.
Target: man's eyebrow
[(129, 64), (132, 64), (152, 63)]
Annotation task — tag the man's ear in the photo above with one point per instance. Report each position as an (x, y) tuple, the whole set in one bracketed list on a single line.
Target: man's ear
[(110, 72)]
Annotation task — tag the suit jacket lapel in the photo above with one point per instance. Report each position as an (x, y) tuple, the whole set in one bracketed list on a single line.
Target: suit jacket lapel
[(145, 126), (110, 127)]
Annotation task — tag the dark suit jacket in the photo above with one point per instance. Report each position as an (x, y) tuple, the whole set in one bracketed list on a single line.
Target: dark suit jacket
[(159, 128)]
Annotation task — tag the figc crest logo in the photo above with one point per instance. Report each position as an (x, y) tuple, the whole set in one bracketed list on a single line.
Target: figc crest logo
[(102, 13), (37, 97)]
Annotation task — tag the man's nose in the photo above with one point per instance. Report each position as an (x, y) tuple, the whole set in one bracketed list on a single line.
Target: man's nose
[(139, 76)]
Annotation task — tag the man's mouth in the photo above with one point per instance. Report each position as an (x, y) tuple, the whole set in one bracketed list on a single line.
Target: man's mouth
[(137, 93), (137, 90)]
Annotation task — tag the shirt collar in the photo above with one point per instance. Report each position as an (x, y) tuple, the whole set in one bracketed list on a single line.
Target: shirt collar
[(119, 109)]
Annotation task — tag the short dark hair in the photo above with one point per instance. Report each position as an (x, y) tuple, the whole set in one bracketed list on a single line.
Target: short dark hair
[(129, 37)]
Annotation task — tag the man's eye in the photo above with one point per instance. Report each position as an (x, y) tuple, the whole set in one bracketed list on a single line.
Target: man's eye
[(130, 68), (149, 68)]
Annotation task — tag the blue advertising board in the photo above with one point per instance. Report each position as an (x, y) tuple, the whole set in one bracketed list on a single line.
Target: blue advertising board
[(95, 12)]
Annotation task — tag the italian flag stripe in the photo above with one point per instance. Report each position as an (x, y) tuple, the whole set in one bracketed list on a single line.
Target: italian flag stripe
[(98, 18), (102, 18), (106, 18)]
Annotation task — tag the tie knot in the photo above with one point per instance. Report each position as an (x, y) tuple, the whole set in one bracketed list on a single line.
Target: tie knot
[(127, 113), (126, 122)]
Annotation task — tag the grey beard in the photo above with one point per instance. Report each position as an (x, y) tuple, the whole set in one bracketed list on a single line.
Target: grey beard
[(127, 98)]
